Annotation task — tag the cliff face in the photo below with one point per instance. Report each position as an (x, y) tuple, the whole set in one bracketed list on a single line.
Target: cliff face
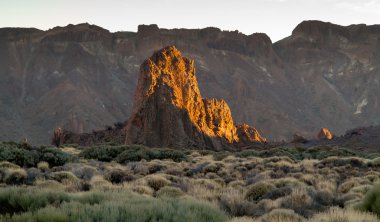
[(169, 110), (82, 77)]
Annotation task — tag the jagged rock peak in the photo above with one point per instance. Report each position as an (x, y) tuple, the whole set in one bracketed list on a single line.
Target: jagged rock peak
[(325, 134), (169, 110)]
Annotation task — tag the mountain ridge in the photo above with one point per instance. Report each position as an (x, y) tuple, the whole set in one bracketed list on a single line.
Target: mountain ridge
[(295, 85)]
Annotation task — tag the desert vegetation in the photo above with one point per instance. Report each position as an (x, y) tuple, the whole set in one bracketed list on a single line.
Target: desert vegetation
[(134, 183)]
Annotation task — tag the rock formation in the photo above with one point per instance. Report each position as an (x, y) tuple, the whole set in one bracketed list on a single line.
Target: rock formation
[(299, 139), (169, 110), (324, 134), (249, 135)]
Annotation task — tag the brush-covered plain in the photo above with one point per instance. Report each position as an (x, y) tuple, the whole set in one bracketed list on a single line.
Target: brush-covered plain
[(134, 183)]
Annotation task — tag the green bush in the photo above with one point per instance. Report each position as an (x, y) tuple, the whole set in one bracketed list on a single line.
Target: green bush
[(15, 177), (103, 152), (371, 201), (6, 164), (33, 205), (118, 176), (150, 154), (257, 191), (43, 166), (375, 162), (127, 153), (157, 182), (62, 176), (27, 156), (14, 200), (170, 192), (17, 199)]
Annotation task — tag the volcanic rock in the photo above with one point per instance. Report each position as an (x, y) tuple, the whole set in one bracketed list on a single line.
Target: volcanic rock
[(299, 139), (248, 134), (169, 110), (324, 134)]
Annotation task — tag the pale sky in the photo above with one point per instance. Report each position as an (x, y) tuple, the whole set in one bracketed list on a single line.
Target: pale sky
[(277, 18)]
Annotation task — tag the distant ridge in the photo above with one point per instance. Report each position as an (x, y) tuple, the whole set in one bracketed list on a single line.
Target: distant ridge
[(82, 77)]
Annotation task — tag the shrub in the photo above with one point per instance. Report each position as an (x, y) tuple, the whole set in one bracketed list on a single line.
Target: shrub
[(32, 175), (53, 156), (140, 153), (6, 164), (347, 186), (142, 190), (299, 201), (85, 172), (26, 155), (15, 177), (236, 205), (346, 215), (172, 192), (112, 207), (371, 201), (127, 153), (375, 162), (277, 193), (43, 166), (49, 184), (211, 167), (103, 152), (99, 183), (49, 213), (283, 215), (157, 182), (14, 200), (118, 176), (62, 176), (258, 190)]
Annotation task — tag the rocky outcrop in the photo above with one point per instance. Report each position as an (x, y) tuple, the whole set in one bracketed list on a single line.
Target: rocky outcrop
[(299, 139), (248, 135), (324, 134), (169, 110)]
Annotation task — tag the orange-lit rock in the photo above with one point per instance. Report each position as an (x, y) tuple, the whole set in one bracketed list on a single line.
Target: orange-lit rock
[(169, 110), (324, 134), (249, 134)]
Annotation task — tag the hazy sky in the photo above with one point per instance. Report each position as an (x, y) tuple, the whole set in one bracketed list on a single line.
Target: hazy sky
[(277, 18)]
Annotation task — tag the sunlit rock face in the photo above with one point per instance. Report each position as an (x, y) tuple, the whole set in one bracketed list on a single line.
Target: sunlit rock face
[(169, 110), (324, 134), (249, 135)]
